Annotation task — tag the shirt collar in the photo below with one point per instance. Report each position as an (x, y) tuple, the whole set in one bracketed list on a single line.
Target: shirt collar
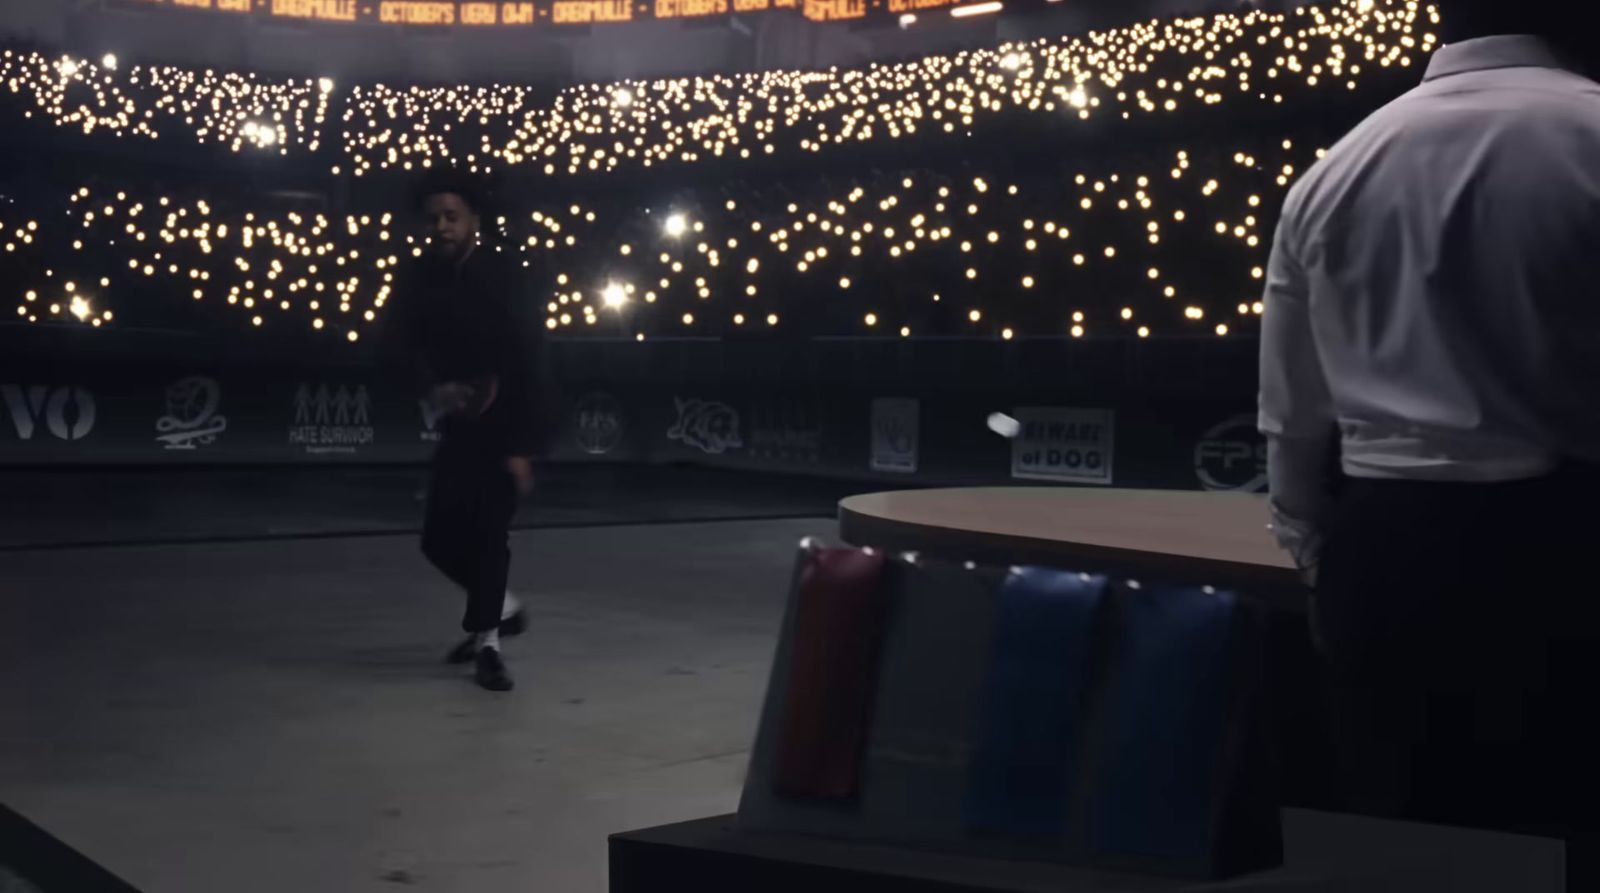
[(1486, 53)]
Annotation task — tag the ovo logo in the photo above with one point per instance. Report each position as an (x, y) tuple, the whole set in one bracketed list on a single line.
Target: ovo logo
[(66, 412)]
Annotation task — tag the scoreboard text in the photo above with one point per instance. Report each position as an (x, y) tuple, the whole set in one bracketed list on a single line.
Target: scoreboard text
[(524, 13)]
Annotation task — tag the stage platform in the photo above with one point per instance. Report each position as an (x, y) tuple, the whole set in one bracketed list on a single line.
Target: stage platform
[(1186, 538), (269, 716), (264, 708), (1324, 853), (72, 507)]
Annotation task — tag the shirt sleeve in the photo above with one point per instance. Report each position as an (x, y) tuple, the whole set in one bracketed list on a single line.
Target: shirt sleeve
[(1296, 410)]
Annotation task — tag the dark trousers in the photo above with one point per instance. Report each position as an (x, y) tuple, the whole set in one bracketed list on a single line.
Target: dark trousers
[(471, 500), (1459, 631)]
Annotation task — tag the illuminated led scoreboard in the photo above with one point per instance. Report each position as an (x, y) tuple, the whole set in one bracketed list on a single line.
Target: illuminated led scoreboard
[(525, 13)]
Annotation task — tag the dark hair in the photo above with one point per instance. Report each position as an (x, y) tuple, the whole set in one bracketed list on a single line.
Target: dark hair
[(451, 181)]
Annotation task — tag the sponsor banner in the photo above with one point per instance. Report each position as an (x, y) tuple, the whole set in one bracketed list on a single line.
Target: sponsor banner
[(710, 427), (1064, 445), (595, 423), (334, 419), (187, 417), (599, 424), (895, 432), (175, 415), (780, 432), (786, 433), (1232, 456), (42, 413), (432, 417), (193, 417)]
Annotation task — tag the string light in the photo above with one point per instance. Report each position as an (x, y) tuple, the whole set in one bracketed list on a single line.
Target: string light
[(915, 221), (296, 251), (602, 128)]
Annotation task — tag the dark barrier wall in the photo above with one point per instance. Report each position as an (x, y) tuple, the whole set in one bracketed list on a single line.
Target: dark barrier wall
[(204, 416), (1172, 414), (1179, 417), (895, 435)]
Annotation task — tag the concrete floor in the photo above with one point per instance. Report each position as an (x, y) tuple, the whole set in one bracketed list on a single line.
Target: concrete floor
[(274, 716)]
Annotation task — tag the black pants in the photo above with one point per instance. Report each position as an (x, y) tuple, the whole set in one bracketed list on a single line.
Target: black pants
[(471, 500), (1459, 631)]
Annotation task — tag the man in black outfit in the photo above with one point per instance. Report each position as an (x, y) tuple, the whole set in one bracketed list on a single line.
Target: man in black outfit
[(458, 327)]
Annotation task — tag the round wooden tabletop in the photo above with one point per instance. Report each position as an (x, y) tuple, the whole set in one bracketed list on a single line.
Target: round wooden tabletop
[(1195, 538)]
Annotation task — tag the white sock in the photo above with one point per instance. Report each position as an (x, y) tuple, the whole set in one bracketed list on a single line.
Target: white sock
[(512, 606), (490, 639)]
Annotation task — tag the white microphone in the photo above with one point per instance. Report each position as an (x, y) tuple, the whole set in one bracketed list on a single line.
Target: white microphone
[(1004, 425)]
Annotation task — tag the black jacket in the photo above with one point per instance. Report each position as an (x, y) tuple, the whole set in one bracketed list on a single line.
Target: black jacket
[(458, 322)]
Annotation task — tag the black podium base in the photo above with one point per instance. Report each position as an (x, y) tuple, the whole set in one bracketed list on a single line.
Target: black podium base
[(712, 856), (1326, 853)]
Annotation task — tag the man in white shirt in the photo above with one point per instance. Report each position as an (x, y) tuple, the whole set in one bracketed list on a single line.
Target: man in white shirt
[(1432, 330)]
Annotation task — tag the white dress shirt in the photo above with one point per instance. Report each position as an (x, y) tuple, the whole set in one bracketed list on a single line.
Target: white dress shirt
[(1431, 303)]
